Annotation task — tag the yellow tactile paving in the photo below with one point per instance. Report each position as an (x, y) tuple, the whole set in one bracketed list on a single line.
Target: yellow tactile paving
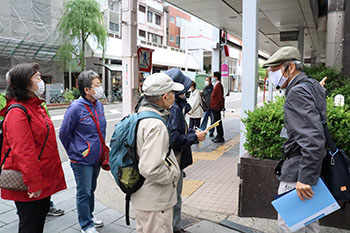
[(190, 186), (216, 153)]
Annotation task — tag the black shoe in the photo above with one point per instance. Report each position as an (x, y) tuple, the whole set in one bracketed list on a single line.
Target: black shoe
[(218, 140), (211, 135)]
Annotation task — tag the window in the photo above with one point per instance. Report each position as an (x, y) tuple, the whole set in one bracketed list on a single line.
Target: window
[(172, 19), (155, 38), (157, 19), (172, 38), (142, 8), (142, 34), (178, 21), (115, 6), (178, 40), (113, 27), (149, 16)]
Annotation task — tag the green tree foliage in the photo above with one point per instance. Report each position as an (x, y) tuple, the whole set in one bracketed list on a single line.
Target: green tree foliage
[(81, 19)]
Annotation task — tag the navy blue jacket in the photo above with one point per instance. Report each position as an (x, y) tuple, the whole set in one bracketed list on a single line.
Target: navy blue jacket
[(181, 141), (79, 134)]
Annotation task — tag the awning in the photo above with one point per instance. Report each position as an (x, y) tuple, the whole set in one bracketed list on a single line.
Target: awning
[(16, 47), (111, 67)]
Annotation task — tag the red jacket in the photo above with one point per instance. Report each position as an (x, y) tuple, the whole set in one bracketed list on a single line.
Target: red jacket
[(26, 141), (217, 101)]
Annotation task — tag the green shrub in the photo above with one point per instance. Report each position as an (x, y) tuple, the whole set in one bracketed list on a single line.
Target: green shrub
[(76, 93), (71, 95), (338, 120), (264, 125), (335, 79)]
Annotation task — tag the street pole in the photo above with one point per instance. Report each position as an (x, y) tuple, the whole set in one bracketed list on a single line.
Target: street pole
[(250, 62), (129, 55)]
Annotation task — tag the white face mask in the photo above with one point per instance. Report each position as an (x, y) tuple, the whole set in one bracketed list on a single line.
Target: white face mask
[(41, 88), (206, 83), (277, 78), (98, 92)]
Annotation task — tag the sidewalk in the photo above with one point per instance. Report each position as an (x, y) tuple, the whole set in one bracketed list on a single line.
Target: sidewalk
[(210, 195)]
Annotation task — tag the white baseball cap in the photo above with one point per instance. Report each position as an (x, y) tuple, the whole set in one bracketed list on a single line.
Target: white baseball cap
[(159, 84)]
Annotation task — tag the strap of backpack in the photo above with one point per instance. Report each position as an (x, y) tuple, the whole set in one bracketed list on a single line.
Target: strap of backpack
[(97, 124), (8, 109), (127, 208), (327, 134)]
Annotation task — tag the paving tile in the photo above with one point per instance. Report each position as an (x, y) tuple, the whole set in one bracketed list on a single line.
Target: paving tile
[(61, 223), (9, 216), (9, 228), (108, 216), (64, 195), (5, 208), (67, 205), (71, 230), (99, 207), (115, 228), (190, 186), (2, 224)]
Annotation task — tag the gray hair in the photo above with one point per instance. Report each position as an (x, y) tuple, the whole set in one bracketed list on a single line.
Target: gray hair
[(153, 99), (298, 64), (85, 80)]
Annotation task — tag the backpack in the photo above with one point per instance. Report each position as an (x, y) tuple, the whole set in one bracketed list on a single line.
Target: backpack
[(2, 121), (123, 157), (203, 104)]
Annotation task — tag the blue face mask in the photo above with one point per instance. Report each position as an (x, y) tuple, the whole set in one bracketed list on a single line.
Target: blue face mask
[(213, 80)]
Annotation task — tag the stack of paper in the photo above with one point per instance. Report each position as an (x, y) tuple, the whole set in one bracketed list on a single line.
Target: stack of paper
[(297, 213)]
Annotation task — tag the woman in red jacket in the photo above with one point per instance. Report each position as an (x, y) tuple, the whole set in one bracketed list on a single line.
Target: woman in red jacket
[(26, 139)]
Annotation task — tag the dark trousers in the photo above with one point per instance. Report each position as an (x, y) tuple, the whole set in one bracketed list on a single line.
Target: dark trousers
[(219, 129), (195, 122), (32, 215)]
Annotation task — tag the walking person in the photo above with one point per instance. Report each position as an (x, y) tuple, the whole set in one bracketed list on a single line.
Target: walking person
[(217, 104), (154, 201), (208, 89), (181, 137), (196, 112), (30, 147), (79, 135), (305, 145)]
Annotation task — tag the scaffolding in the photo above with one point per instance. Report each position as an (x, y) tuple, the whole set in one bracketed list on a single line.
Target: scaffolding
[(28, 34)]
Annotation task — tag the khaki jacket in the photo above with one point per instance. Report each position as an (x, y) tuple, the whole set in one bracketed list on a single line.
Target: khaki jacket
[(159, 190)]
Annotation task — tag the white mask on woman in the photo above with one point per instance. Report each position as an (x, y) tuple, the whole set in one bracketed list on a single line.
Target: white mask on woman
[(41, 88)]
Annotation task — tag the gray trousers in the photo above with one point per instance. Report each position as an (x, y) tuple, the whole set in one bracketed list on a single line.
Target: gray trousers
[(282, 226), (177, 222)]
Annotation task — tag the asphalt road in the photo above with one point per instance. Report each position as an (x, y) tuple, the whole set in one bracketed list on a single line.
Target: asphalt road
[(113, 114)]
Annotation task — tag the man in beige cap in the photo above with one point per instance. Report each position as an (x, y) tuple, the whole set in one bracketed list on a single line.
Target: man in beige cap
[(305, 146), (154, 201)]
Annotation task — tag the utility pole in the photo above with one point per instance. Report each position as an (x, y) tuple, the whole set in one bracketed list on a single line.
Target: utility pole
[(129, 55)]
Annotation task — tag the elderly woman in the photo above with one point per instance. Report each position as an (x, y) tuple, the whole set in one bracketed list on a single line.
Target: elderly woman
[(79, 135), (30, 147)]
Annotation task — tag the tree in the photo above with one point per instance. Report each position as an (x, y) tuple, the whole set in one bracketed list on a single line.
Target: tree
[(81, 19)]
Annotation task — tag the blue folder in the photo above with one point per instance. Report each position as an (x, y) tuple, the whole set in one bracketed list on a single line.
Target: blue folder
[(297, 213)]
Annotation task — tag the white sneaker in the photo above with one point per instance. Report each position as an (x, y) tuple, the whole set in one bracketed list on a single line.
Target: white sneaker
[(97, 223), (90, 230)]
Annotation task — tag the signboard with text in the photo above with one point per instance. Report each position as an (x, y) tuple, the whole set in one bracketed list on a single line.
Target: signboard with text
[(144, 56)]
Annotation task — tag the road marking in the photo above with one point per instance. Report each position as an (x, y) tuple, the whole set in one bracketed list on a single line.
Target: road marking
[(115, 111), (114, 119), (58, 117)]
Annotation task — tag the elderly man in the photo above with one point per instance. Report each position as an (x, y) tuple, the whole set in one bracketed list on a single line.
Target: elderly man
[(304, 149), (154, 201)]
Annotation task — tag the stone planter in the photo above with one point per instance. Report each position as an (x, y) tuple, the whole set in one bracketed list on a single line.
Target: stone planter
[(258, 188)]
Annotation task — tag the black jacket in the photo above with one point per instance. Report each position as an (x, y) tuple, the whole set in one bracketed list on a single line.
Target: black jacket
[(181, 138), (207, 93), (305, 146)]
